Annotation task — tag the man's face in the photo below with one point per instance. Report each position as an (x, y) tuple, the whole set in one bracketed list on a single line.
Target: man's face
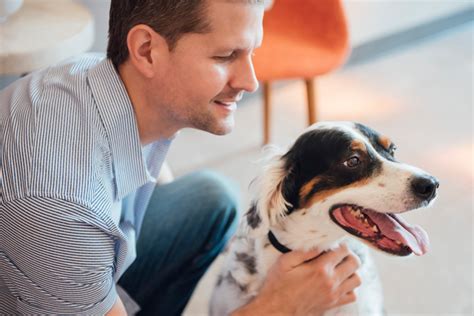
[(206, 74)]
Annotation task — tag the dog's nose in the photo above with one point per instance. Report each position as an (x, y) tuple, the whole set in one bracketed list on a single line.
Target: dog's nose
[(424, 187)]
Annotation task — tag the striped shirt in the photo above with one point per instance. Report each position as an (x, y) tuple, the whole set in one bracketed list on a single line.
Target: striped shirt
[(74, 186)]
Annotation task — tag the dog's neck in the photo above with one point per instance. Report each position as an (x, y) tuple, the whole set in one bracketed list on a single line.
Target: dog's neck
[(276, 244), (295, 239), (266, 254)]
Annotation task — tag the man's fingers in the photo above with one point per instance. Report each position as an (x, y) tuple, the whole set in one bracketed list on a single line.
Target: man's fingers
[(347, 267), (350, 284), (295, 258), (346, 299), (334, 257)]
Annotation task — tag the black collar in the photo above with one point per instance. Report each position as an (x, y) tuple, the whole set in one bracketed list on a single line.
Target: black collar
[(276, 243)]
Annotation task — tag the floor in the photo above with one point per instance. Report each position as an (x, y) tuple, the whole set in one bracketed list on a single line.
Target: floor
[(422, 97)]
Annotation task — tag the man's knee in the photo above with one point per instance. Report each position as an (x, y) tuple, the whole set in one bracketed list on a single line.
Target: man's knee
[(219, 190), (220, 198)]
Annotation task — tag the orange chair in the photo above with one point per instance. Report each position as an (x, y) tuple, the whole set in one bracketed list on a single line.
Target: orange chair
[(302, 39)]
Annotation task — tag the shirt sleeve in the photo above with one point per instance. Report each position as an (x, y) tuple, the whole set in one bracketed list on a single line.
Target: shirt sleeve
[(56, 257)]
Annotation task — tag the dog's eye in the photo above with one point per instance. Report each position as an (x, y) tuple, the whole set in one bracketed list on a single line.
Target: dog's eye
[(392, 150), (352, 162)]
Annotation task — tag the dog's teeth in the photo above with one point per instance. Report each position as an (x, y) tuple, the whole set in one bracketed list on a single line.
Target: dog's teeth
[(398, 243), (374, 228)]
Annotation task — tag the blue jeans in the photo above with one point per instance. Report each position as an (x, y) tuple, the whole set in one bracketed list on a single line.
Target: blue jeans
[(186, 225)]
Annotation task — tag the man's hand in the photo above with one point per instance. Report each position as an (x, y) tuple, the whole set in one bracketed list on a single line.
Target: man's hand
[(307, 283), (118, 309)]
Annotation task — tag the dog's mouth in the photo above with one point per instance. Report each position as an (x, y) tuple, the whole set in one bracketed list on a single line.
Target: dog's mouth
[(386, 231)]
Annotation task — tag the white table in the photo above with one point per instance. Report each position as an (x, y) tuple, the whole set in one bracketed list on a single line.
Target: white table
[(42, 33)]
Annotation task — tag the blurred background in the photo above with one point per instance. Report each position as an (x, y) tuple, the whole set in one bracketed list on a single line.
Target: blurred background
[(409, 76)]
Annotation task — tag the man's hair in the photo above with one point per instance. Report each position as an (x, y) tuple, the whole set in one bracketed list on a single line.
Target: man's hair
[(169, 18)]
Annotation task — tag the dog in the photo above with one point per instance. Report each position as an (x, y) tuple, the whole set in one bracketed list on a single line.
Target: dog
[(338, 180)]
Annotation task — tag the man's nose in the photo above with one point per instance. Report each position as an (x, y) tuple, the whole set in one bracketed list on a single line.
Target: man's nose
[(244, 77)]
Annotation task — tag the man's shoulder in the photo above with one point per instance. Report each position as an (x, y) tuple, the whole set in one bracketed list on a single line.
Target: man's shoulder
[(54, 107), (70, 75), (72, 69), (77, 65), (51, 131), (64, 84)]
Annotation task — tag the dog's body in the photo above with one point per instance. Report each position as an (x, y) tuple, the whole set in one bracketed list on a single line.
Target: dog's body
[(339, 179), (249, 260)]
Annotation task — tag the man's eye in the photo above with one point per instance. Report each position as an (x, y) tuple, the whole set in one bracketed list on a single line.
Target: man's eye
[(226, 57), (352, 162)]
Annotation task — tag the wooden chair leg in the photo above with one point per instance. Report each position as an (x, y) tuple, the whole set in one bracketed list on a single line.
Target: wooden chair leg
[(266, 112), (311, 97)]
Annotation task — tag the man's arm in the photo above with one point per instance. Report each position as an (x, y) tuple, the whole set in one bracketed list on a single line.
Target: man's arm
[(302, 283), (118, 309), (64, 260)]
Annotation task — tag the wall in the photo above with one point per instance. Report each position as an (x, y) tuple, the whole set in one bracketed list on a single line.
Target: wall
[(368, 20)]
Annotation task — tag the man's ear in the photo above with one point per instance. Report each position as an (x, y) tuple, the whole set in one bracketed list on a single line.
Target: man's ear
[(146, 49), (269, 205)]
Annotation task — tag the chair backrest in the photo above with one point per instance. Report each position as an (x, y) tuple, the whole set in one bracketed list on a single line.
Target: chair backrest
[(310, 34), (322, 22)]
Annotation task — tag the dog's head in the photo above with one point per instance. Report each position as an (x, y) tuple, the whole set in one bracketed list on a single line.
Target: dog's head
[(339, 178)]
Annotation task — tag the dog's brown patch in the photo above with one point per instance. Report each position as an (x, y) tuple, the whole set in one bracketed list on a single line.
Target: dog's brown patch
[(385, 142), (358, 145), (318, 197), (382, 185), (306, 189)]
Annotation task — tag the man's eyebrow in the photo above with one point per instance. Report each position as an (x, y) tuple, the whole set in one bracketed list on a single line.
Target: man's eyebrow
[(237, 49), (239, 46), (264, 2)]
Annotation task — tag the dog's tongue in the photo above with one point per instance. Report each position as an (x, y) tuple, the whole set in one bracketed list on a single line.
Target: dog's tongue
[(396, 228)]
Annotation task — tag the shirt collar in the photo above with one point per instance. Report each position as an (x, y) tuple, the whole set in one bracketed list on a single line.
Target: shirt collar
[(118, 116)]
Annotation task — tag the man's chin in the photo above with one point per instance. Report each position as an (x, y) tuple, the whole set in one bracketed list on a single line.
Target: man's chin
[(221, 132), (219, 128)]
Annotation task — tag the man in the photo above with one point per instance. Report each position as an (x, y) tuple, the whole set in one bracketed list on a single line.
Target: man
[(82, 144)]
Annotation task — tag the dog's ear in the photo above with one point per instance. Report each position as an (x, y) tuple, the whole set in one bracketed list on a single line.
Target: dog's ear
[(269, 205)]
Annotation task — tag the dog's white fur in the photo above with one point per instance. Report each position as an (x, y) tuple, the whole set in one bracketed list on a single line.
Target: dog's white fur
[(308, 229)]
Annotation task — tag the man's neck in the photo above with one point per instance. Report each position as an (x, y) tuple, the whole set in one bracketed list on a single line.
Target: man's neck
[(151, 125)]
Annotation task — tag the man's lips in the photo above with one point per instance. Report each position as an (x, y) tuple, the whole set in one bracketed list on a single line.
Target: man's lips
[(228, 101), (225, 102), (230, 104)]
